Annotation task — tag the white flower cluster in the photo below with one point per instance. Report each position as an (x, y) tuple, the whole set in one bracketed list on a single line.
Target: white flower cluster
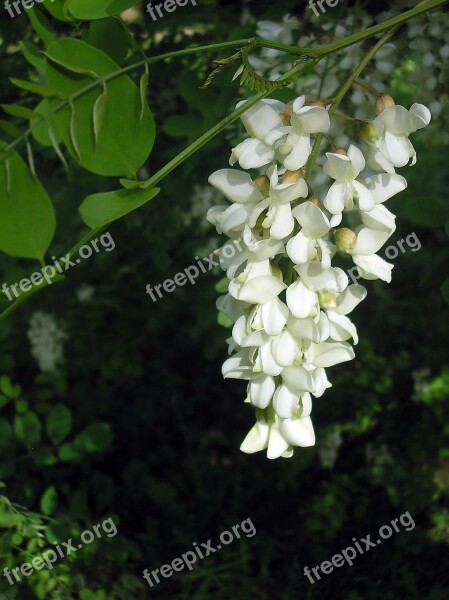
[(420, 51), (289, 305), (47, 341)]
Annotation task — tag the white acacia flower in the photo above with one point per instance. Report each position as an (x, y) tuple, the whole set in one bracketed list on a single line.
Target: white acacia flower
[(304, 246), (258, 121), (238, 187), (292, 142), (266, 434), (345, 170), (371, 266), (256, 284), (341, 328), (279, 219), (398, 123)]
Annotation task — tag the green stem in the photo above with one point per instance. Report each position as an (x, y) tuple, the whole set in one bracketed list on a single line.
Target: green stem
[(177, 53), (162, 173), (342, 93)]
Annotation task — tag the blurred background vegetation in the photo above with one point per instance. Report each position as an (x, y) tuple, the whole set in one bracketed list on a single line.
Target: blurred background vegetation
[(112, 405)]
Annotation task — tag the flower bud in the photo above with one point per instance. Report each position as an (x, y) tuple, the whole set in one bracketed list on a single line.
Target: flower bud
[(383, 102), (345, 239), (341, 151), (263, 183), (368, 132), (292, 176)]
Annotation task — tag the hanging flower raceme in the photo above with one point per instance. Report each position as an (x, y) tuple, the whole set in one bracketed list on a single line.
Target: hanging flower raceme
[(288, 303)]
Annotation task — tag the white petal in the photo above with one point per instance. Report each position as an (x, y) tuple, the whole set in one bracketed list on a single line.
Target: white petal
[(269, 364), (311, 119), (350, 298), (420, 114), (300, 300), (257, 438), (338, 166), (366, 201), (379, 218), (369, 241), (257, 290), (237, 186), (274, 316), (341, 328), (304, 329), (373, 267), (395, 149), (285, 402), (385, 185), (251, 154), (261, 390), (277, 445), (330, 354), (287, 192), (283, 223), (237, 367), (357, 160), (335, 198), (261, 118), (298, 432), (312, 219), (284, 349), (298, 379), (299, 247), (321, 382), (299, 154)]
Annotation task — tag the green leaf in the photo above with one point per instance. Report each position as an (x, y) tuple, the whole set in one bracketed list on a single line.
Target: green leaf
[(87, 10), (95, 438), (34, 88), (124, 141), (109, 36), (7, 388), (58, 10), (100, 209), (9, 128), (26, 212), (143, 92), (33, 55), (41, 25), (41, 132), (100, 112), (15, 110), (73, 131), (9, 519), (28, 429), (59, 423), (49, 501), (69, 453)]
